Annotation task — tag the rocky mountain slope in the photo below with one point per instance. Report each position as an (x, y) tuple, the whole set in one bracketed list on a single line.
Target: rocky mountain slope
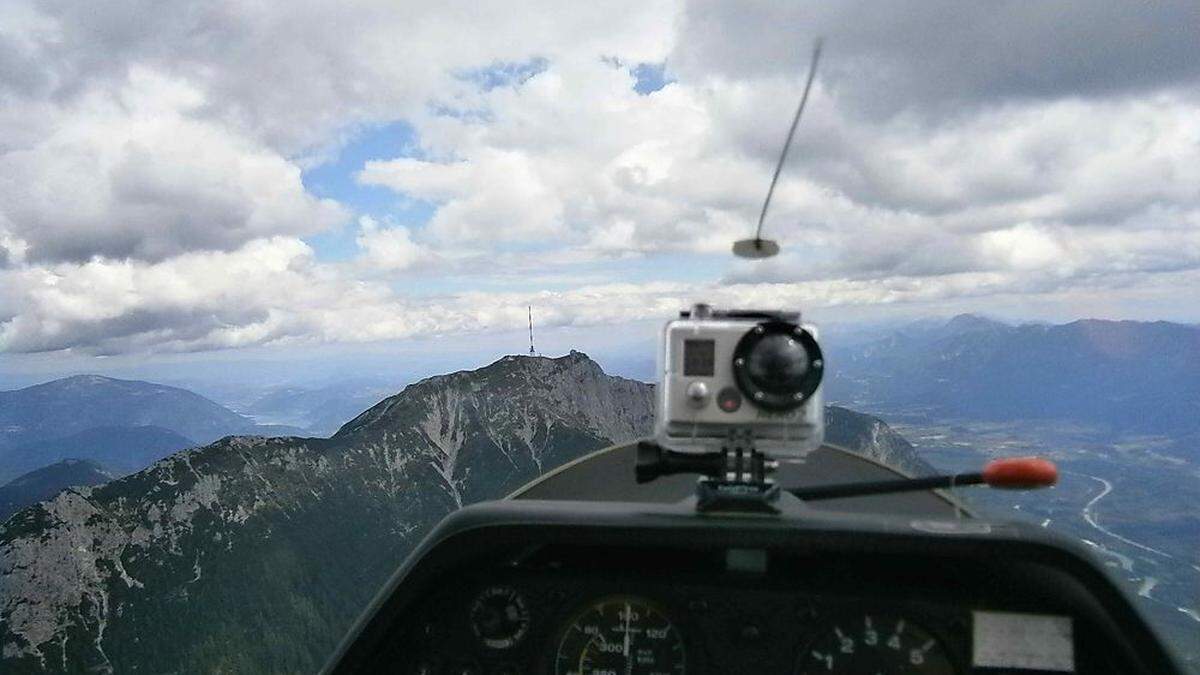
[(47, 482), (255, 554), (872, 437)]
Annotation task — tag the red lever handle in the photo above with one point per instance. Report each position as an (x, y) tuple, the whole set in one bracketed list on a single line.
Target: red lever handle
[(1020, 473)]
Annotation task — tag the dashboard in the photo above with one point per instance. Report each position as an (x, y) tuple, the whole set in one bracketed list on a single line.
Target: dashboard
[(593, 591)]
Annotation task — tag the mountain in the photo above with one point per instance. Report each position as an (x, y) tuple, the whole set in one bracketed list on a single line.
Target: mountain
[(255, 554), (510, 421), (119, 449), (1125, 376), (48, 481), (73, 404), (48, 417)]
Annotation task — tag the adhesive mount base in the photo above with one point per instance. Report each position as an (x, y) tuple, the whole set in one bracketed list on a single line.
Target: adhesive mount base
[(736, 497)]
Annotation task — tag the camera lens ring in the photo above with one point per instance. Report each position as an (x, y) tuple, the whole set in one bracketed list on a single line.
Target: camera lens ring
[(777, 397)]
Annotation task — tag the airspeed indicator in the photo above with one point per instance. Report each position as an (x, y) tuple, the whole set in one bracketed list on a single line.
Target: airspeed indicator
[(621, 635)]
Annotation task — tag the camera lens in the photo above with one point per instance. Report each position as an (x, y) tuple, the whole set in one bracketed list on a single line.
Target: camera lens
[(778, 365)]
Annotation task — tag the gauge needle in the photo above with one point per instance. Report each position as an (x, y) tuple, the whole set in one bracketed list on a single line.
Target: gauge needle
[(628, 661), (627, 613)]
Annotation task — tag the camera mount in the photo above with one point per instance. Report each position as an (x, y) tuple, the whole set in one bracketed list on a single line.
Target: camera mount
[(734, 479)]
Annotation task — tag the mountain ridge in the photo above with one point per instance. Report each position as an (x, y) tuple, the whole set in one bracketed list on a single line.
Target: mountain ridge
[(1126, 375)]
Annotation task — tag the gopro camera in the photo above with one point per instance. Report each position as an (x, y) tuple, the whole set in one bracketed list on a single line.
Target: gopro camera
[(729, 376)]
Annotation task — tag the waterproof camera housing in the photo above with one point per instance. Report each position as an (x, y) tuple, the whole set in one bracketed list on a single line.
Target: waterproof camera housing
[(732, 377)]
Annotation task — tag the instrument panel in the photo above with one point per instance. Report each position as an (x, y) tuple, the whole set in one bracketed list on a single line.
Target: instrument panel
[(510, 588), (602, 622)]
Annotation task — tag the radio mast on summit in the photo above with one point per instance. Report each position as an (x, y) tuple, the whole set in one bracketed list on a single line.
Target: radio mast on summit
[(531, 351)]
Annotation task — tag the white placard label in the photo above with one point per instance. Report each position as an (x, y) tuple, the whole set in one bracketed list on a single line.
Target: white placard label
[(1033, 641)]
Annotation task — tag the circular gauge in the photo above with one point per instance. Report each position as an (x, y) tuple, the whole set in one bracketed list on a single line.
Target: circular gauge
[(620, 634), (874, 644), (499, 617)]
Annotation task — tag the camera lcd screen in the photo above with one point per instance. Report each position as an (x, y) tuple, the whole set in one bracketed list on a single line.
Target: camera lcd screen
[(699, 358)]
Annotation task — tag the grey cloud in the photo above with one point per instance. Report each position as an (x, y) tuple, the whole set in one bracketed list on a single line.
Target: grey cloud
[(137, 328), (295, 75), (20, 74), (940, 55)]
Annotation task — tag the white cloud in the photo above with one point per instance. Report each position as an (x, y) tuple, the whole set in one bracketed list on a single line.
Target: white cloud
[(293, 75), (154, 129), (496, 195), (389, 248), (573, 155), (150, 162), (132, 173), (272, 291)]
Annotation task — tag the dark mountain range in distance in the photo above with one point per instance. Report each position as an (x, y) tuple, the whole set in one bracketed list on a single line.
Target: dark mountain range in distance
[(1125, 376), (255, 554), (95, 417), (119, 450), (47, 482), (74, 404)]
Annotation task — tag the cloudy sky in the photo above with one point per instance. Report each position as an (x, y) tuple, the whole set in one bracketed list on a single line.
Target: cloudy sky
[(191, 176)]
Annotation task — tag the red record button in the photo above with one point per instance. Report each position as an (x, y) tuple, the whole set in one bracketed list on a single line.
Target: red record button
[(729, 399)]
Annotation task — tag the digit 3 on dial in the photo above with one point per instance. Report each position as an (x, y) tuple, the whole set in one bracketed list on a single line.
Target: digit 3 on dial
[(620, 634), (873, 643)]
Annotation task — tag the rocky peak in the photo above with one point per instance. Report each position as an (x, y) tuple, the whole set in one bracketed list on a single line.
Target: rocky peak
[(965, 323), (519, 391), (86, 380)]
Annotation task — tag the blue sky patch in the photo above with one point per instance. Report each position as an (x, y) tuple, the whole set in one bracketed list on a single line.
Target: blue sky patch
[(504, 74), (335, 179), (650, 77)]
